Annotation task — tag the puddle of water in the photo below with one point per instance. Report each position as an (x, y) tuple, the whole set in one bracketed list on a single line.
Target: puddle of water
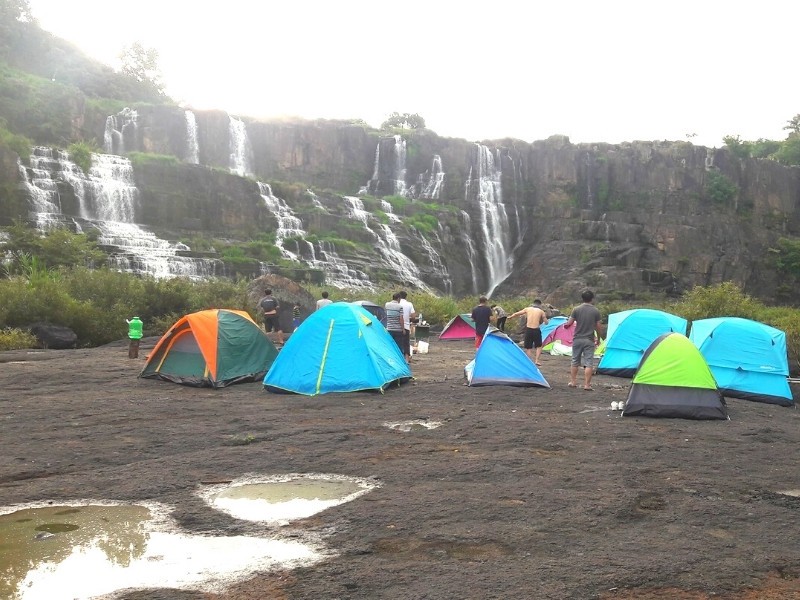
[(794, 493), (92, 550), (283, 499), (419, 425)]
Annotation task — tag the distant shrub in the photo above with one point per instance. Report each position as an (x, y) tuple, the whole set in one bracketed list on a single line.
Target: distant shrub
[(16, 339), (81, 154), (146, 158), (720, 189), (725, 299)]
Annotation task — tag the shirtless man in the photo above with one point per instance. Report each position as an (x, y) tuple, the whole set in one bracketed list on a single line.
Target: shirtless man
[(535, 317)]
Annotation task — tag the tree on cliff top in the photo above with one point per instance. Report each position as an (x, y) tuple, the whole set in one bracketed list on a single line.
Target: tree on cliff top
[(141, 64), (404, 121)]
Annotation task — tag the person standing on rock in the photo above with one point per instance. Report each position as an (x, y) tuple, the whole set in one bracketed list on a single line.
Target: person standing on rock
[(586, 319), (482, 315), (535, 317), (269, 306), (324, 301), (501, 317)]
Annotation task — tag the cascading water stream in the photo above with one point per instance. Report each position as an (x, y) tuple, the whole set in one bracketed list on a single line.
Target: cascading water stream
[(484, 188), (289, 226), (192, 145), (107, 201), (240, 150)]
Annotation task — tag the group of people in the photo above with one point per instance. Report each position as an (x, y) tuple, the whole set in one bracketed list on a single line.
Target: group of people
[(401, 314), (269, 306), (585, 318), (400, 317)]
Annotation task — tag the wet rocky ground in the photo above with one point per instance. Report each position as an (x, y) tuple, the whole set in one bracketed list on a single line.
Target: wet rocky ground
[(518, 493)]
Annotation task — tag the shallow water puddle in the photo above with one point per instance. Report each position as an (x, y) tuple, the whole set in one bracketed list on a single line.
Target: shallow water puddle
[(284, 498), (90, 550), (418, 425), (793, 493)]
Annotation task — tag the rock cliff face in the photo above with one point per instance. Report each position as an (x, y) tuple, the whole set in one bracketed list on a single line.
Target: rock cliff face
[(545, 218)]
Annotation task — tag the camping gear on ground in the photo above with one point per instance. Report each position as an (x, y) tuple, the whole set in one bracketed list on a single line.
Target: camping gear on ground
[(339, 348), (748, 358), (460, 327), (629, 334), (674, 381), (375, 309), (211, 348), (499, 361)]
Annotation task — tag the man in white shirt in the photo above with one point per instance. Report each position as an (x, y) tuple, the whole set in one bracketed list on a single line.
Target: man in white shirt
[(324, 301), (408, 314)]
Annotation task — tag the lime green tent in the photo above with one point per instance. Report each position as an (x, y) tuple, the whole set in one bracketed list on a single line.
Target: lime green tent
[(673, 380)]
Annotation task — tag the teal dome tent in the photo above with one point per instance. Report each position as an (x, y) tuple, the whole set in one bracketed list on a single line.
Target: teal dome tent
[(339, 348)]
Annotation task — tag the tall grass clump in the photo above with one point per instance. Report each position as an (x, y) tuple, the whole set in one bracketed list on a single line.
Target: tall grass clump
[(17, 339)]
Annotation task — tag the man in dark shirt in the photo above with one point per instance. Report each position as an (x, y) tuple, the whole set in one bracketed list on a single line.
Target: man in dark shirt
[(482, 315), (269, 306)]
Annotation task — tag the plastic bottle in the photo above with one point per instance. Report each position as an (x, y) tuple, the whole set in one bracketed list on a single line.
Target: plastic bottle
[(135, 327)]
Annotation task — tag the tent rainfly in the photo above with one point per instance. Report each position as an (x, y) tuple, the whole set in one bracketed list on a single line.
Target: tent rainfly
[(673, 380), (499, 361), (211, 348)]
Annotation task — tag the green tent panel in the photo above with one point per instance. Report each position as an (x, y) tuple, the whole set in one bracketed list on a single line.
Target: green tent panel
[(211, 348), (674, 381)]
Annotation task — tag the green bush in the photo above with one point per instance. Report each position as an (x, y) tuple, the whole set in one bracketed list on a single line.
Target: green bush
[(17, 339), (720, 189), (81, 154)]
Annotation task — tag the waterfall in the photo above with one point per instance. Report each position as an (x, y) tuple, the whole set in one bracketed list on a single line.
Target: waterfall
[(387, 245), (108, 202), (120, 133), (387, 207), (240, 150), (466, 237), (431, 189), (192, 146), (436, 262), (289, 226), (337, 272), (484, 188), (389, 173)]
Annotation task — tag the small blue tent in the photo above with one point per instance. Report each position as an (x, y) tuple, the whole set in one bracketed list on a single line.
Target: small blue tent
[(748, 358), (339, 348), (630, 334), (499, 361)]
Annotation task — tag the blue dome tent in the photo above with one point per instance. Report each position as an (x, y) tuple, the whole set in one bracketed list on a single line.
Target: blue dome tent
[(748, 358), (339, 348), (630, 334), (499, 361)]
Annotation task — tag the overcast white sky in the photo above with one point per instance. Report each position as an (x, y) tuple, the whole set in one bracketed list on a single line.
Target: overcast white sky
[(594, 70)]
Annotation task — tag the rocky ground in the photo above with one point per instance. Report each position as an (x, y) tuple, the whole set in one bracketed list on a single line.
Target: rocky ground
[(520, 493)]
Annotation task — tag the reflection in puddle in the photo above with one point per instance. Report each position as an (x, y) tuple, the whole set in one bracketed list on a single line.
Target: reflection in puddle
[(285, 498), (419, 425), (91, 550)]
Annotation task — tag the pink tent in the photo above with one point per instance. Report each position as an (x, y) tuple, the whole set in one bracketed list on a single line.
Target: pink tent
[(560, 334), (460, 327)]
